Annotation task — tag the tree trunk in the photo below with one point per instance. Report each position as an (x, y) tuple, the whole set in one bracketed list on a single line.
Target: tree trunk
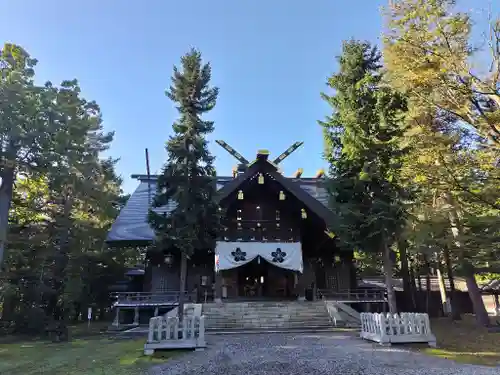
[(182, 289), (405, 274), (427, 282), (413, 288), (455, 306), (62, 265), (388, 267), (482, 316), (442, 286), (5, 202)]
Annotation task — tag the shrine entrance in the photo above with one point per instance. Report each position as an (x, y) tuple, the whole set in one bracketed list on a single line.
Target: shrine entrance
[(260, 279)]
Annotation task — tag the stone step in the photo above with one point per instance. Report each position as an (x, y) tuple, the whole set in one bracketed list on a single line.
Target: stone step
[(250, 324), (266, 316), (230, 331), (310, 313), (260, 318), (268, 326), (273, 321)]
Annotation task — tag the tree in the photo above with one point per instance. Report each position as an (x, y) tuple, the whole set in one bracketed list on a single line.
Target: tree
[(430, 58), (64, 199), (188, 177), (75, 177), (25, 130), (453, 122), (363, 148)]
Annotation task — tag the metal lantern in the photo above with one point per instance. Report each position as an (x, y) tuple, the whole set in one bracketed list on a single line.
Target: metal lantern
[(282, 195), (303, 214), (169, 259), (240, 195), (260, 179)]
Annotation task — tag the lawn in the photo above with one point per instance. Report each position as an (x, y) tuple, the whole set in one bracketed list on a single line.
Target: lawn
[(465, 342), (88, 353)]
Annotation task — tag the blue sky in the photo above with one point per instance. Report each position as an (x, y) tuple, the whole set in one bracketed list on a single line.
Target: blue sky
[(270, 60)]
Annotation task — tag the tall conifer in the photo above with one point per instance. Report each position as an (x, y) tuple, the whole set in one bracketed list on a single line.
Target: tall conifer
[(188, 177), (362, 139)]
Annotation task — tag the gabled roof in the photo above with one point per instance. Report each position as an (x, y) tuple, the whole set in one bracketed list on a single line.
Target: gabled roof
[(131, 224), (294, 188)]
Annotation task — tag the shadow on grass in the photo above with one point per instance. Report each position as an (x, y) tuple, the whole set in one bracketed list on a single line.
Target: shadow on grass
[(90, 355), (464, 342)]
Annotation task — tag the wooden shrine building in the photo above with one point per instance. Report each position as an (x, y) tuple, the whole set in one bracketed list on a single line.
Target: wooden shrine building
[(275, 243)]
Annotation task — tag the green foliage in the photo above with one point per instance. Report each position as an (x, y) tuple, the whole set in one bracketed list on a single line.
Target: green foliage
[(62, 204), (430, 58), (363, 148), (188, 177)]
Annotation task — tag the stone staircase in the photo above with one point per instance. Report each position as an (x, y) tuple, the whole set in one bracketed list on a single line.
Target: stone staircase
[(266, 316)]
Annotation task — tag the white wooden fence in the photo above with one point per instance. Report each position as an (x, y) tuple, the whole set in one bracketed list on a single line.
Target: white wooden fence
[(397, 328), (166, 332)]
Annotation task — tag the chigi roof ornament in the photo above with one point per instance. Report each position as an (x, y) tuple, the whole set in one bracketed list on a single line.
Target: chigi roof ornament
[(261, 154)]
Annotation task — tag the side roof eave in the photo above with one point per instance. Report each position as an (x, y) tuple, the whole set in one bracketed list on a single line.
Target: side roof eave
[(309, 201)]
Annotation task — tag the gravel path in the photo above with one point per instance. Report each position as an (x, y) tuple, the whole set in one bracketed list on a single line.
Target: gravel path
[(308, 354)]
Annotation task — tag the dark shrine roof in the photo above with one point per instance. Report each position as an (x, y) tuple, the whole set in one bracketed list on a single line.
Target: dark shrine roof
[(131, 224)]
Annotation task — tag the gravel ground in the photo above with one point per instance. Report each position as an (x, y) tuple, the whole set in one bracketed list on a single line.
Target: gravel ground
[(308, 354)]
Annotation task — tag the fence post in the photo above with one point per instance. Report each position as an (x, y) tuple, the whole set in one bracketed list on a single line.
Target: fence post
[(201, 333), (151, 329)]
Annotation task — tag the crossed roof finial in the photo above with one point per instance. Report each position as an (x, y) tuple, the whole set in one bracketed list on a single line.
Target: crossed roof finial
[(245, 162)]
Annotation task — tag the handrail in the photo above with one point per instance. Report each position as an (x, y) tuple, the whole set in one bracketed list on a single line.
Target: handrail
[(138, 298), (352, 295)]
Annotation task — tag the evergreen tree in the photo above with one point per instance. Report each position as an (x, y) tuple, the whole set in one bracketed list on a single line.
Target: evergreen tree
[(363, 138), (188, 177), (63, 202)]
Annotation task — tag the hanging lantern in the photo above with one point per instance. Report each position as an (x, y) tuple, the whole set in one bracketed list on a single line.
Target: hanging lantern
[(277, 225), (282, 195), (238, 215), (260, 179), (258, 224), (168, 259), (303, 214), (240, 195), (330, 234)]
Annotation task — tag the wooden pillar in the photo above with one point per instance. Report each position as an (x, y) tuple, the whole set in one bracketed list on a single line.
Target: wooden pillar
[(300, 287), (116, 321), (136, 315), (218, 287)]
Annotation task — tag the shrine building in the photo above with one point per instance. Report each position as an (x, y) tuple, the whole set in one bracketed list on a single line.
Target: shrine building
[(275, 245)]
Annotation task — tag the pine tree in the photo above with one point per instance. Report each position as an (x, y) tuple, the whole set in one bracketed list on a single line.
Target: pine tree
[(188, 177), (363, 147)]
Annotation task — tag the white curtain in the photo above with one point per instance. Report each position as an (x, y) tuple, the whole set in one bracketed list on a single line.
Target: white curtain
[(286, 255)]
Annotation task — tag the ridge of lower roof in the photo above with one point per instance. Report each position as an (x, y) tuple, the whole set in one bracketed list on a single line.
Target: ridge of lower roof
[(154, 177)]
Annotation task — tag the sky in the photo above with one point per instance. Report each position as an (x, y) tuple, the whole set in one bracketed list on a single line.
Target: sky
[(270, 60)]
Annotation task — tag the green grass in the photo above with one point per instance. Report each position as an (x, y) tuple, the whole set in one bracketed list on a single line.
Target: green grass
[(464, 342), (86, 354)]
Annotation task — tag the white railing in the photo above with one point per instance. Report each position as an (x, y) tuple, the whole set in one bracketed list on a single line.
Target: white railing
[(397, 328), (132, 299), (352, 295), (166, 332)]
